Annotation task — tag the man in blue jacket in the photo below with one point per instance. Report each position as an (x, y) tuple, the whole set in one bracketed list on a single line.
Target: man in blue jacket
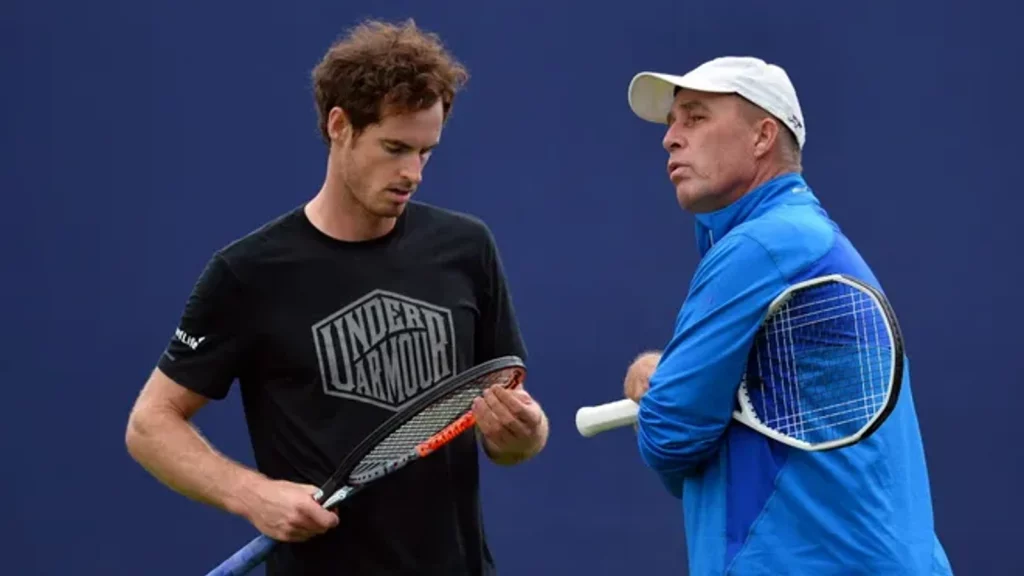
[(753, 506)]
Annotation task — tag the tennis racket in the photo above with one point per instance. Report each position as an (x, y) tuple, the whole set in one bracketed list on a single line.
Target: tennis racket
[(824, 369), (433, 420)]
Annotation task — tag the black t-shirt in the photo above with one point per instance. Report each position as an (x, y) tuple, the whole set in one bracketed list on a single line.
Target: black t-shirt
[(327, 339)]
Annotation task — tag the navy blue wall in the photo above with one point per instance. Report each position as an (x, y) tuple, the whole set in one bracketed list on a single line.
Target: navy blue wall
[(138, 137)]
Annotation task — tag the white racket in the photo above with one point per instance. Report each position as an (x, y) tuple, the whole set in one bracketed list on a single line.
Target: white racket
[(824, 370)]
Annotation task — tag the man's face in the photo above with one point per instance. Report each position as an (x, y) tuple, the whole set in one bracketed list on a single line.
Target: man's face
[(710, 141), (384, 164)]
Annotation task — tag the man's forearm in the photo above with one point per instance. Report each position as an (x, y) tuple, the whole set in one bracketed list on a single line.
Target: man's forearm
[(174, 452)]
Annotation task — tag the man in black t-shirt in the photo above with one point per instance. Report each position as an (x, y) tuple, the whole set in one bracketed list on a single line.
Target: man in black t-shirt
[(334, 316)]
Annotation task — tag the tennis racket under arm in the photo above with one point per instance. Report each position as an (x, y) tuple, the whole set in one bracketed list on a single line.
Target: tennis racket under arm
[(433, 420), (824, 370)]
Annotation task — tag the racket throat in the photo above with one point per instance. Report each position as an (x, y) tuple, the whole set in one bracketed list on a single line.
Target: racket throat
[(338, 496)]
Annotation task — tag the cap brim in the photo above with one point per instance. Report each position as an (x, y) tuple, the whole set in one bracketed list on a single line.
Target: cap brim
[(651, 93)]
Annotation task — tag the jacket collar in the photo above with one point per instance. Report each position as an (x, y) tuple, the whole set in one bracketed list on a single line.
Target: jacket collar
[(785, 189)]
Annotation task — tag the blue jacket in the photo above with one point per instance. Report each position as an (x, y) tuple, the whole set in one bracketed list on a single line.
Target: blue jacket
[(751, 505)]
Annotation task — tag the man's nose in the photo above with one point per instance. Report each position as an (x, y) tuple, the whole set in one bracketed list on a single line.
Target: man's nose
[(412, 170), (673, 140)]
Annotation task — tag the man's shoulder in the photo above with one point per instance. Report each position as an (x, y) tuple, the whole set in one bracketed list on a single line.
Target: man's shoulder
[(794, 236), (432, 217), (450, 232), (783, 223), (281, 232)]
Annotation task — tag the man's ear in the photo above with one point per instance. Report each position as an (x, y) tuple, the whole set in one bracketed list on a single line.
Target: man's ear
[(338, 126), (766, 136)]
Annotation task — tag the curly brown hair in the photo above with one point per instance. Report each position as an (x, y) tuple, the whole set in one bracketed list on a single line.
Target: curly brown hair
[(380, 68)]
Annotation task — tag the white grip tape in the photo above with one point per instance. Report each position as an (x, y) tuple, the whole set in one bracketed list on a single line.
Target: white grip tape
[(591, 420)]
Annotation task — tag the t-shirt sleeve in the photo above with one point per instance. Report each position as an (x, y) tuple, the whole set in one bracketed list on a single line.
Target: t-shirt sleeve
[(498, 333), (204, 351)]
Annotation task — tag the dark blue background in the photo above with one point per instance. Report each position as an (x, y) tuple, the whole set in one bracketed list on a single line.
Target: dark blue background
[(138, 137)]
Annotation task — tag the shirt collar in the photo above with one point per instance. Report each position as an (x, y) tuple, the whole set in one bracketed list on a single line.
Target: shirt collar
[(788, 188)]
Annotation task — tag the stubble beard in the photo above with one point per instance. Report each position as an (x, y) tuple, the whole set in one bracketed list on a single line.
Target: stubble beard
[(361, 198)]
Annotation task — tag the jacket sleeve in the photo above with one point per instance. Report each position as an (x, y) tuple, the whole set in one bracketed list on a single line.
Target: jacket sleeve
[(684, 414)]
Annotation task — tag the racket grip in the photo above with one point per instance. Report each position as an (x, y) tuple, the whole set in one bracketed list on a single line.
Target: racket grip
[(591, 420), (247, 558)]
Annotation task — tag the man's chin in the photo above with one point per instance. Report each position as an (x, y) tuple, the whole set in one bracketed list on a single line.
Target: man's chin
[(390, 210), (687, 198), (695, 200)]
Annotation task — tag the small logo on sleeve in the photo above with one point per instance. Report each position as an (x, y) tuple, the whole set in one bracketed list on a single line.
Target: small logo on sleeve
[(188, 340)]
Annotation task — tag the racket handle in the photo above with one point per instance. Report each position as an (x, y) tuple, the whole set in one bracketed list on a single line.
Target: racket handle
[(591, 420), (247, 558)]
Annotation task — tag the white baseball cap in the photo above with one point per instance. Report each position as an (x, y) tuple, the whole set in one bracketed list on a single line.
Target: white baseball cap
[(765, 85)]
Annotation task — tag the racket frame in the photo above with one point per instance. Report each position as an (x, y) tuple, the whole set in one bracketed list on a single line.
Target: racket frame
[(338, 485), (746, 414)]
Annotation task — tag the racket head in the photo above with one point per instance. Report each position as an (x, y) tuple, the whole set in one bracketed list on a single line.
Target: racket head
[(826, 367), (430, 422)]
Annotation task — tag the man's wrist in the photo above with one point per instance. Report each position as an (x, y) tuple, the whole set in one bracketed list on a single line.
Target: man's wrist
[(503, 457), (245, 490)]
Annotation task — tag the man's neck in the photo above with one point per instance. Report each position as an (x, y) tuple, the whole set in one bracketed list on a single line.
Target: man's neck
[(763, 174), (336, 213), (769, 172)]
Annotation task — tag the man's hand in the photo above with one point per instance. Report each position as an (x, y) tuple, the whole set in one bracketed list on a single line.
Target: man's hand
[(286, 511), (638, 376), (511, 423)]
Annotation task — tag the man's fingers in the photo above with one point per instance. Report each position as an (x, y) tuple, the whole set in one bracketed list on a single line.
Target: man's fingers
[(636, 385), (521, 395), (488, 422), (519, 406), (504, 414), (297, 534), (638, 375), (485, 418), (316, 517), (630, 387), (320, 519), (312, 490)]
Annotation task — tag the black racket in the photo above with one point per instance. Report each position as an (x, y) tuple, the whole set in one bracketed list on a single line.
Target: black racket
[(433, 420)]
